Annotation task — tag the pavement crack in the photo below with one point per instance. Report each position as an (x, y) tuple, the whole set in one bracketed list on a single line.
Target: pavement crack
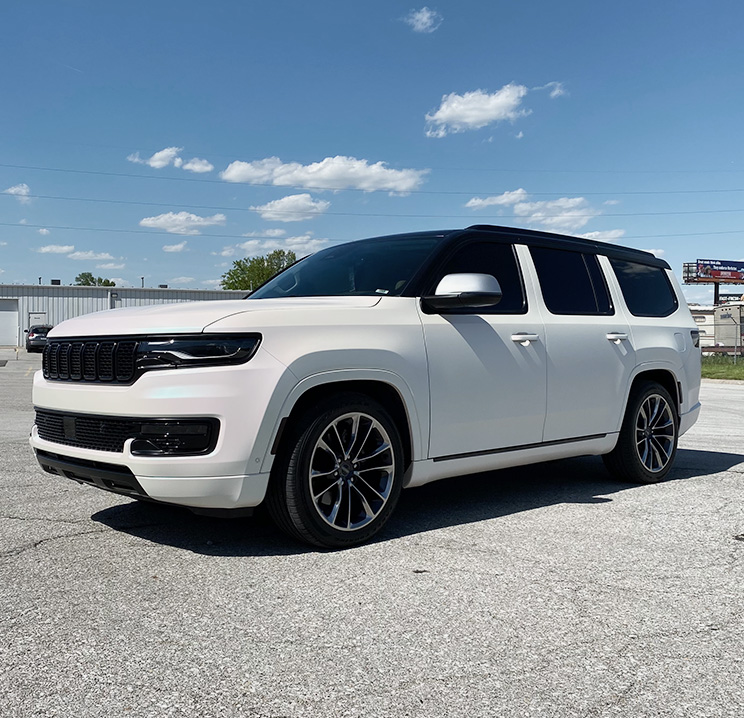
[(35, 544), (43, 518)]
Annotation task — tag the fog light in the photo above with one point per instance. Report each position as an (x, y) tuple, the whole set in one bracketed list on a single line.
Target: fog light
[(176, 437)]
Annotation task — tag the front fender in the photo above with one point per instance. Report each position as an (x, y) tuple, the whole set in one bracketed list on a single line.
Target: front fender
[(281, 406)]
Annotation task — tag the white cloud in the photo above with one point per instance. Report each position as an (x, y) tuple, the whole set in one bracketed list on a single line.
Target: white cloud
[(198, 165), (476, 109), (110, 265), (120, 282), (566, 214), (423, 20), (23, 221), (212, 283), (556, 89), (225, 252), (90, 256), (294, 208), (502, 200), (611, 202), (44, 232), (334, 173), (2, 271), (56, 249), (182, 222), (163, 158), (175, 247), (267, 233), (656, 252), (181, 281), (608, 235), (301, 245), (20, 192), (3, 244), (171, 156)]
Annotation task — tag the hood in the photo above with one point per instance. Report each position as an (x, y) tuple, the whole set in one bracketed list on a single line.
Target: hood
[(191, 317)]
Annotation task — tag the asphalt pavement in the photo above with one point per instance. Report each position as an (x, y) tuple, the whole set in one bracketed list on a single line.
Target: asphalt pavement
[(548, 590)]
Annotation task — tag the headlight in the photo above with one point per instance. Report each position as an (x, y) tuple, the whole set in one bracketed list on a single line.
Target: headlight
[(197, 350)]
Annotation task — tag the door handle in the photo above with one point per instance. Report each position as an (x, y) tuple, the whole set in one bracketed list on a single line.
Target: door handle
[(617, 337), (524, 338)]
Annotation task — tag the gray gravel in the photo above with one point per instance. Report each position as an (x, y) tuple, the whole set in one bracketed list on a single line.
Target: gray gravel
[(544, 591)]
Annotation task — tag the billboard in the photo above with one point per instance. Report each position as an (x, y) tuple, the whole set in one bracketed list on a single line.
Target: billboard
[(720, 270), (727, 298)]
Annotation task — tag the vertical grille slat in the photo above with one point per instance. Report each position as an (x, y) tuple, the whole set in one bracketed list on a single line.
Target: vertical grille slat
[(63, 361), (89, 361), (125, 352), (76, 361), (108, 360), (53, 361)]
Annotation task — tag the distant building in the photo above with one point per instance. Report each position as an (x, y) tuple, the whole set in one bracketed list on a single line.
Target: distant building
[(23, 305), (704, 317)]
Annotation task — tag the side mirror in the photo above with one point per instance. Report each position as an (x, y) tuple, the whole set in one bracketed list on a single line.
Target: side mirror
[(463, 291)]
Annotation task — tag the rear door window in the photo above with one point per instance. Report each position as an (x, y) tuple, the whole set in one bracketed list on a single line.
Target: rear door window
[(646, 289), (571, 282)]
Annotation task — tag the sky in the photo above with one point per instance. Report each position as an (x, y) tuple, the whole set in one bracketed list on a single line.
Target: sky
[(158, 142)]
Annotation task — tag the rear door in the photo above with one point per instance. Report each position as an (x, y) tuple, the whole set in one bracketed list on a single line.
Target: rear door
[(589, 346), (487, 368)]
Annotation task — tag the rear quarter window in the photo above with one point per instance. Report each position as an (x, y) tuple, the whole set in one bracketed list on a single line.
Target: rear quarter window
[(647, 290)]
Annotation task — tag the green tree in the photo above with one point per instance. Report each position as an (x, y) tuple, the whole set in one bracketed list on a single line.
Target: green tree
[(86, 279), (251, 273)]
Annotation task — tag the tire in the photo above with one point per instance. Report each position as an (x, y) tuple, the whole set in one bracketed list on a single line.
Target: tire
[(329, 487), (647, 444)]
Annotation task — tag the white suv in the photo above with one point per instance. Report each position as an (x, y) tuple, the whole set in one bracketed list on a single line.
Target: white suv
[(373, 366)]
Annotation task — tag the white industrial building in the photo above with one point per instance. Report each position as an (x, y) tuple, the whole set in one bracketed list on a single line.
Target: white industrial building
[(23, 305)]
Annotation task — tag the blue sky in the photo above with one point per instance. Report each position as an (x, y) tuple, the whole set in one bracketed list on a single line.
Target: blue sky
[(166, 139)]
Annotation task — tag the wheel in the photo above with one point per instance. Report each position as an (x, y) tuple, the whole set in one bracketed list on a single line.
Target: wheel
[(338, 475), (647, 443)]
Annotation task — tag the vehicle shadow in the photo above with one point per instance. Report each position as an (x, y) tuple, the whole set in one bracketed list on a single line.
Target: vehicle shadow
[(451, 502)]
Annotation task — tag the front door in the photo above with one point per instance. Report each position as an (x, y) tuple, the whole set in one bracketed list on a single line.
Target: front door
[(487, 370)]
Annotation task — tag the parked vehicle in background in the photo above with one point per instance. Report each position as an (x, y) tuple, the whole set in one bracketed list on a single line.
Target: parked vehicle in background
[(373, 366), (36, 337)]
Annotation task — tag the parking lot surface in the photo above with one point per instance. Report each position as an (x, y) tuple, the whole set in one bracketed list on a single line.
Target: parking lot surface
[(549, 590)]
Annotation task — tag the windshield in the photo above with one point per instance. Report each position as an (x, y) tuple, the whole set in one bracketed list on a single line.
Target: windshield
[(372, 267)]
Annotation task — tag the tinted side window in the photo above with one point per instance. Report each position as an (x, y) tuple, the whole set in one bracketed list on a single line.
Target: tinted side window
[(571, 282), (646, 289), (498, 260)]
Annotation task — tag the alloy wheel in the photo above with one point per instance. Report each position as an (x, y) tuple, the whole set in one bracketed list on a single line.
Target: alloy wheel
[(351, 471), (655, 433)]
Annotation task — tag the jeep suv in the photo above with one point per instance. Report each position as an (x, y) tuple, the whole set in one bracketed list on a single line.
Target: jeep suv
[(373, 366)]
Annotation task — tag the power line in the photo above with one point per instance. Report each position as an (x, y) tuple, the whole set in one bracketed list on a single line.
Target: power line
[(232, 156), (248, 237), (376, 214), (204, 180)]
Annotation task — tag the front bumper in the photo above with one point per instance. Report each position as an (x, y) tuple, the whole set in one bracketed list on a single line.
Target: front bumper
[(232, 475), (213, 492)]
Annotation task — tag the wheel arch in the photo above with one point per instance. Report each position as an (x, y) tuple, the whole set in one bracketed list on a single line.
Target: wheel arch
[(663, 376), (383, 387)]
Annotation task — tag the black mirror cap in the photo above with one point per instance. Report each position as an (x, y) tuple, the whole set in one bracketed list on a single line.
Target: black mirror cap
[(441, 303)]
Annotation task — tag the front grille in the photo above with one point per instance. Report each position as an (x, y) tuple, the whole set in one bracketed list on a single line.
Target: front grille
[(111, 361), (86, 432)]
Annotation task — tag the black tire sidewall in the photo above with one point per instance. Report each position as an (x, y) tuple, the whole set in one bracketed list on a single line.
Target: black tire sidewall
[(303, 513), (627, 442)]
